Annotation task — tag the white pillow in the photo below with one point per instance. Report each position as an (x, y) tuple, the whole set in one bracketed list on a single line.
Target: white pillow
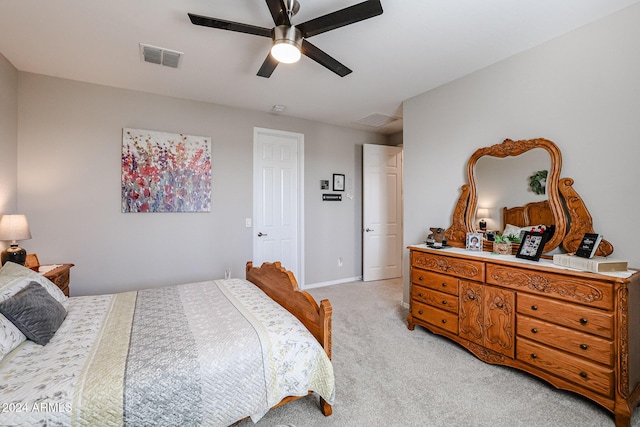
[(10, 336), (511, 229), (14, 277)]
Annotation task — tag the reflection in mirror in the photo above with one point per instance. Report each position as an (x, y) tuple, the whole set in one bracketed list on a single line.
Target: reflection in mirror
[(505, 182), (547, 212)]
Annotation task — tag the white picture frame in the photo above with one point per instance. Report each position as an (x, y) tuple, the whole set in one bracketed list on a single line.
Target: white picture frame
[(474, 241)]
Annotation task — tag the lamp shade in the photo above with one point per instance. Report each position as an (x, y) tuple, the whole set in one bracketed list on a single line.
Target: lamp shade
[(14, 227), (483, 213)]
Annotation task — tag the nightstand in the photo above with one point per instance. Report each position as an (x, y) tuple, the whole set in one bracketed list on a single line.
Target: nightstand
[(58, 275)]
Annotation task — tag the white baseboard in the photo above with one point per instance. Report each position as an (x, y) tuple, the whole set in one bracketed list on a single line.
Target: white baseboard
[(330, 283)]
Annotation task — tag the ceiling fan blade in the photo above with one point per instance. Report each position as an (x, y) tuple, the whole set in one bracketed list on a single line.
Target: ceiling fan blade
[(279, 12), (229, 25), (323, 59), (340, 18), (269, 64)]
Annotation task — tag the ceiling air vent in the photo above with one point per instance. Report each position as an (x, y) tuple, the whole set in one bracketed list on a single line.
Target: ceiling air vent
[(376, 120), (160, 55)]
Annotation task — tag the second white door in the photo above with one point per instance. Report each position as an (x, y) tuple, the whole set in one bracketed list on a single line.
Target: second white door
[(382, 212)]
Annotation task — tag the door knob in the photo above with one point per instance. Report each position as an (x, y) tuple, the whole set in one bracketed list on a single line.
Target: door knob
[(260, 234)]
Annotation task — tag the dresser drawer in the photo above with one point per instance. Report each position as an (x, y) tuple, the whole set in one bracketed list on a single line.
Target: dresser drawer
[(434, 316), (434, 298), (561, 286), (438, 282), (573, 316), (579, 371), (581, 344), (464, 268)]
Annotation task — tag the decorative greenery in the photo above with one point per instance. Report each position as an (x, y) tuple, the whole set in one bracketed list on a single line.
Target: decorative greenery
[(500, 239), (513, 238), (510, 238), (538, 182)]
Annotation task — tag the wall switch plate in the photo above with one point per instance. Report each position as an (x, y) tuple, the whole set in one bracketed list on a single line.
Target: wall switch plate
[(247, 222)]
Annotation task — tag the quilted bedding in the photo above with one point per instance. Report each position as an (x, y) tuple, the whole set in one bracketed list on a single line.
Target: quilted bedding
[(205, 353)]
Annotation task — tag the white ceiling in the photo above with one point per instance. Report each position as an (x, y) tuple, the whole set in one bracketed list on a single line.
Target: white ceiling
[(414, 46)]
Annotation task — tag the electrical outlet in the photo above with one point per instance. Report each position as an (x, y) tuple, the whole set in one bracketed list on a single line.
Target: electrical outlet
[(340, 262)]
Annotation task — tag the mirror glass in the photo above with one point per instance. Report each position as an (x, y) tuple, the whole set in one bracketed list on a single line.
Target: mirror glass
[(505, 182)]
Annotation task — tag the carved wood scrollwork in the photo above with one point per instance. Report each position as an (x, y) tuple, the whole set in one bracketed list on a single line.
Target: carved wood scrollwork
[(498, 321), (457, 234), (463, 269), (567, 288), (485, 354), (623, 321), (580, 219)]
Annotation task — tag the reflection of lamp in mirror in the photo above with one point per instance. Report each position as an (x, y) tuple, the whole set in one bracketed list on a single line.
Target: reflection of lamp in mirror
[(14, 228), (482, 214)]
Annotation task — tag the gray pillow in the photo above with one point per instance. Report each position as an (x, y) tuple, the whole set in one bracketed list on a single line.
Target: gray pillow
[(35, 312)]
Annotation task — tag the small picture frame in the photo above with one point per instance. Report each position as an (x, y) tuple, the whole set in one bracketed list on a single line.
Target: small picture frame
[(532, 245), (474, 241), (338, 182), (324, 184)]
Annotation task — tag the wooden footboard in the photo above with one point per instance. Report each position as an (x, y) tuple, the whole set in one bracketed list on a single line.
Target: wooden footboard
[(281, 285)]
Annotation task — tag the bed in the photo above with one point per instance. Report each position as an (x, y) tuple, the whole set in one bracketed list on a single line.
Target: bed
[(531, 214), (207, 353)]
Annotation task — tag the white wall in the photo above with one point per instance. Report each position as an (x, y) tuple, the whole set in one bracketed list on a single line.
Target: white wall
[(580, 90), (69, 146), (8, 137)]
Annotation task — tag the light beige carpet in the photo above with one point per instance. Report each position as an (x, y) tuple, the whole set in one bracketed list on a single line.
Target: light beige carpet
[(387, 375)]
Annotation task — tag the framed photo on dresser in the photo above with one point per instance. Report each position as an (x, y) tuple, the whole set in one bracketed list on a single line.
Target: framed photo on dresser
[(532, 245), (474, 241)]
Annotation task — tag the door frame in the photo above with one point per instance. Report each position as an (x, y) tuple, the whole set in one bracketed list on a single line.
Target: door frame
[(300, 276)]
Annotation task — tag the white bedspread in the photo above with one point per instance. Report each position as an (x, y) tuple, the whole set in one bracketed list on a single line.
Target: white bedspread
[(206, 353)]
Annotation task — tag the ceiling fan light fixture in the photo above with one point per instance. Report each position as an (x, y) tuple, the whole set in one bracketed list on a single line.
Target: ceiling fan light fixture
[(287, 42)]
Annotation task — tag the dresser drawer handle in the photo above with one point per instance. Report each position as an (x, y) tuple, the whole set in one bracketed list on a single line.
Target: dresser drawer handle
[(420, 278), (583, 374), (444, 303), (420, 312), (534, 330), (584, 346), (420, 294), (444, 285), (583, 321), (534, 307), (444, 320), (534, 356)]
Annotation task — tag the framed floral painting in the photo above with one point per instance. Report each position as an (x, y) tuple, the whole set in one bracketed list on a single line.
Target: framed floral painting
[(165, 172)]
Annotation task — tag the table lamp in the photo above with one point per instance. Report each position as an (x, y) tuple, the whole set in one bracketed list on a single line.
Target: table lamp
[(14, 228), (483, 213)]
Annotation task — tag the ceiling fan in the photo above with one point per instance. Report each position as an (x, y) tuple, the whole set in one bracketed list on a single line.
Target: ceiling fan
[(289, 41)]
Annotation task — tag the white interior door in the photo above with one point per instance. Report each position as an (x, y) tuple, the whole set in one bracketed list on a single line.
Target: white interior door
[(278, 199), (382, 212)]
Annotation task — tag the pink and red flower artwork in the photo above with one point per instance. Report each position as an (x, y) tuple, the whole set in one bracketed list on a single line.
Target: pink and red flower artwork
[(165, 172)]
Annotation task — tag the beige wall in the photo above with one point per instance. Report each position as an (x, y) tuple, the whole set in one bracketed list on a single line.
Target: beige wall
[(580, 90), (69, 144), (8, 136)]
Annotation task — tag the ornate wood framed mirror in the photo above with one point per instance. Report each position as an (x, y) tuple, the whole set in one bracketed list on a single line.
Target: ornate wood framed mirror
[(500, 179)]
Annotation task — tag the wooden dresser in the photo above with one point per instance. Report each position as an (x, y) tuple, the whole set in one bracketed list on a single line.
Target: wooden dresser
[(577, 330)]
